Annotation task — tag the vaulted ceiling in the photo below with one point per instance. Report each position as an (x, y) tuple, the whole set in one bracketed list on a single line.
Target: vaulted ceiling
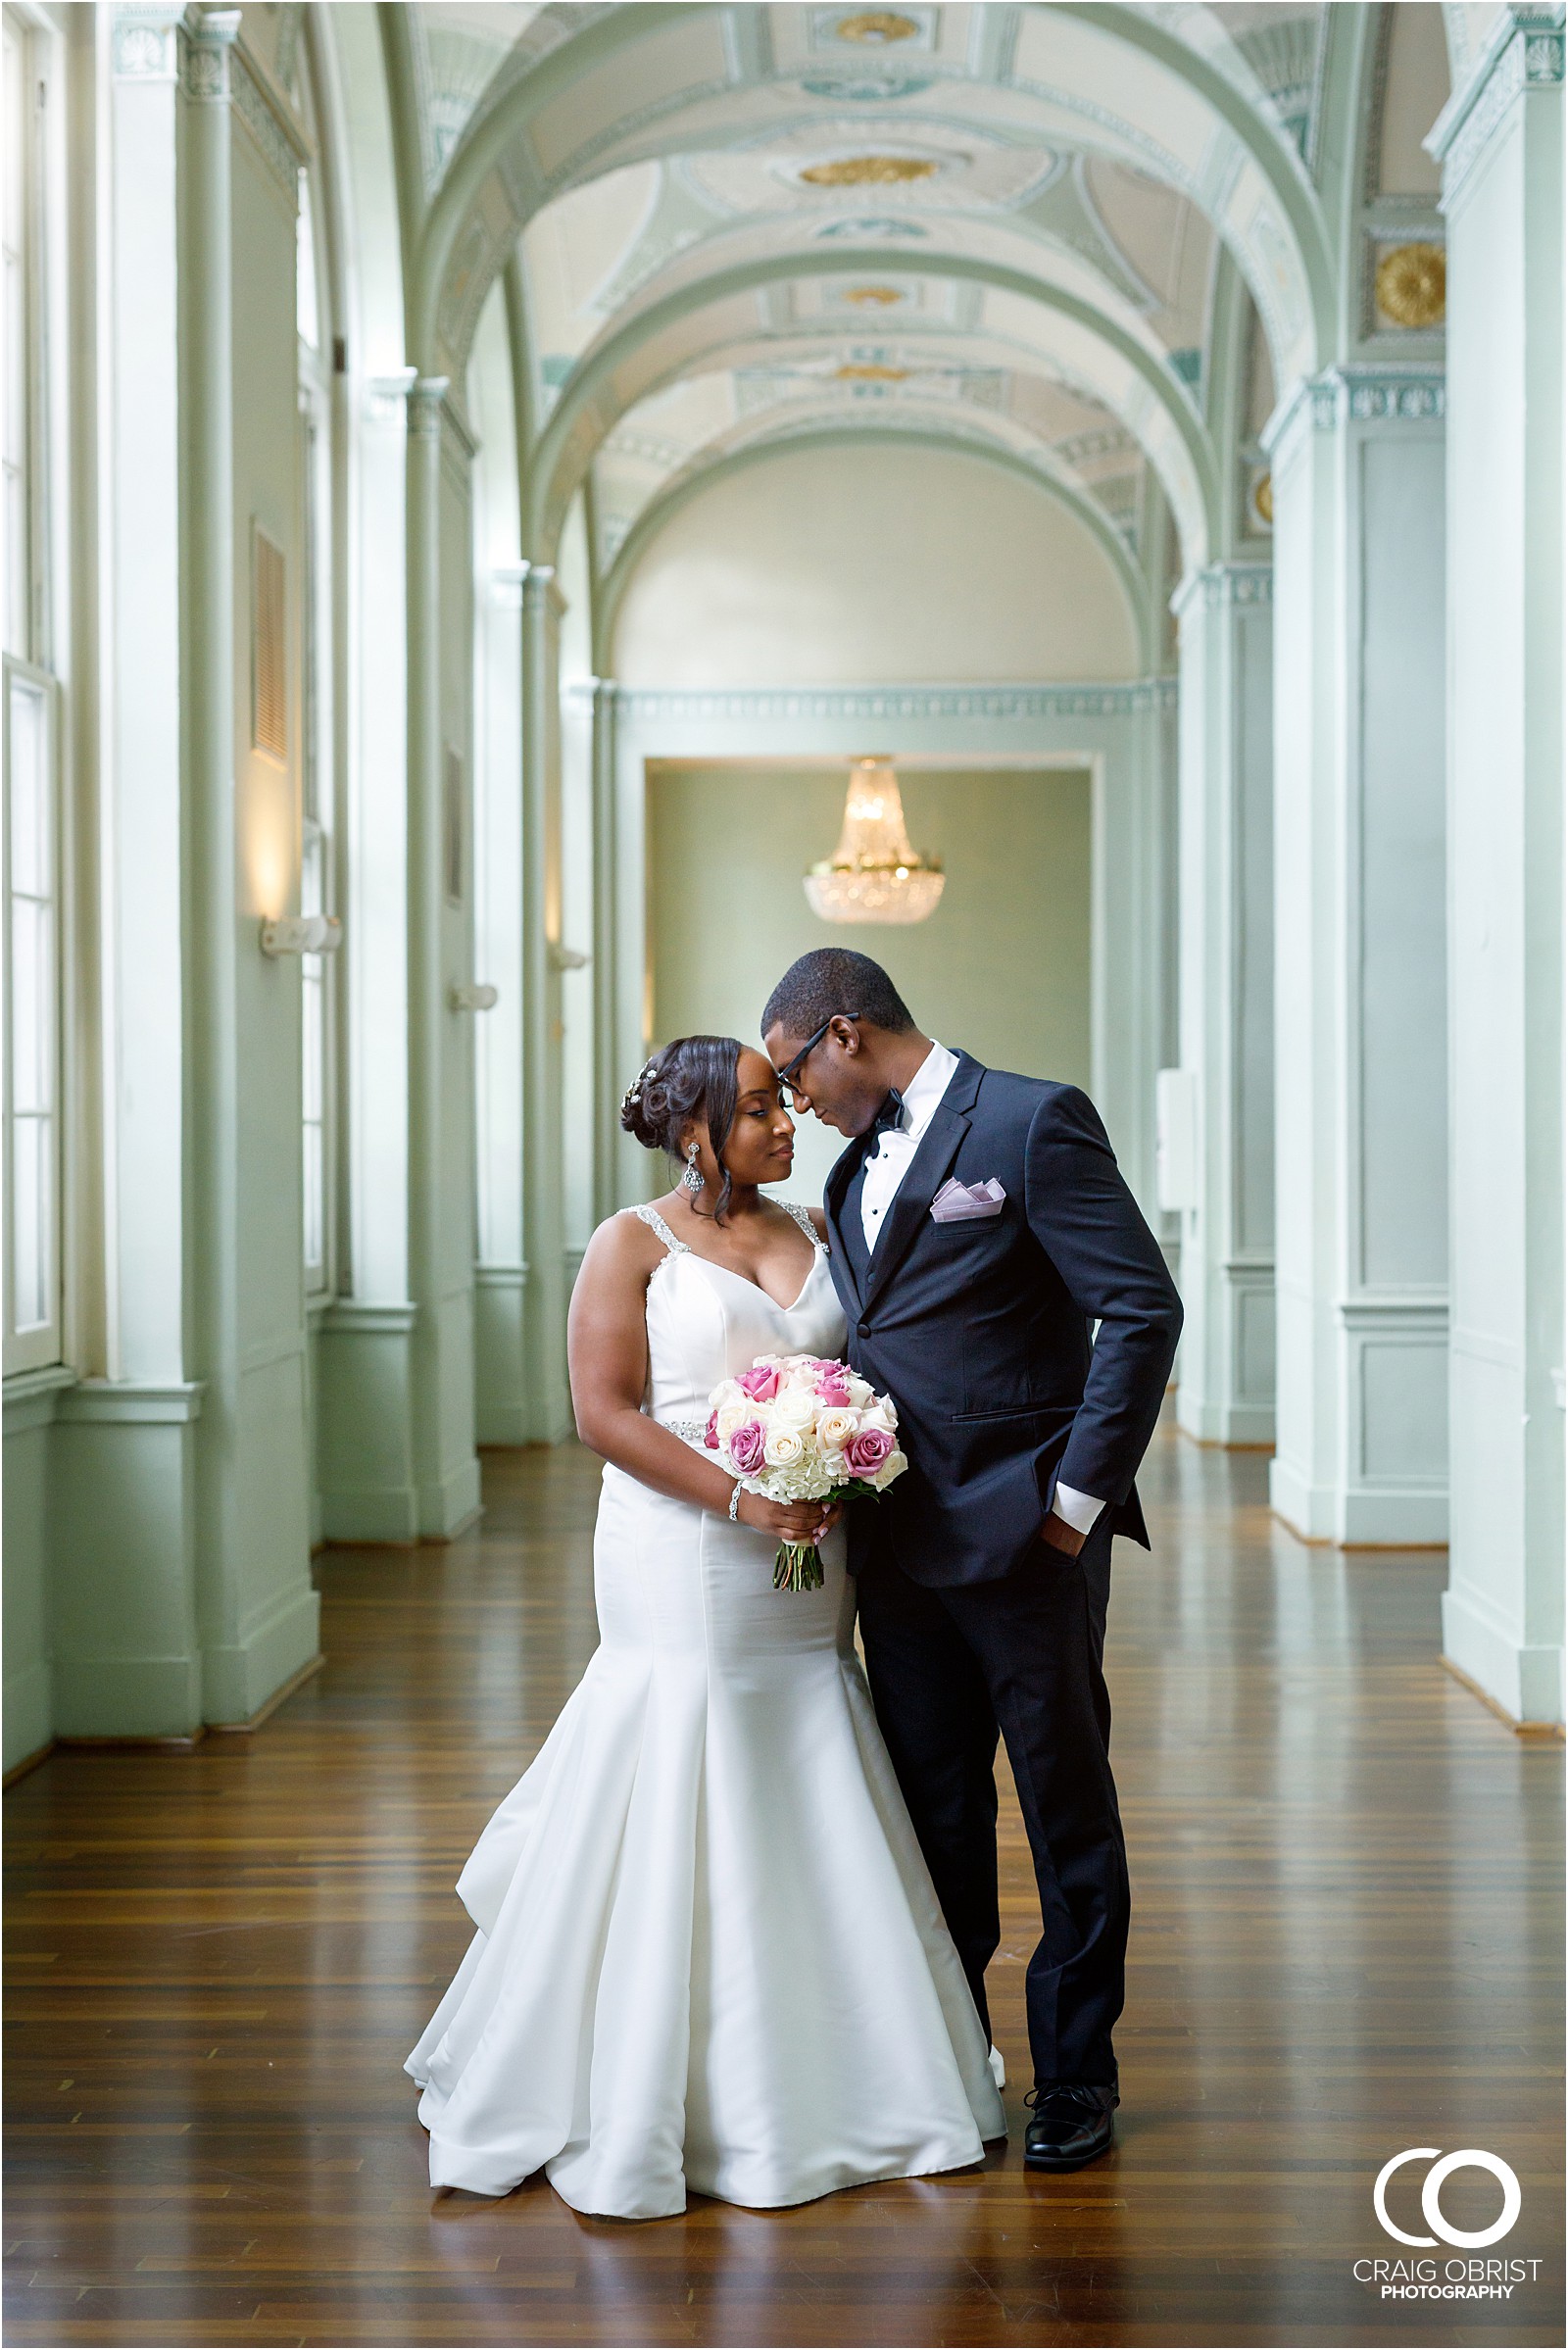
[(1001, 227)]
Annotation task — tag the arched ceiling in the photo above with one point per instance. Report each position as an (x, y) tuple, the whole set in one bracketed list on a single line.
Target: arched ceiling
[(997, 223)]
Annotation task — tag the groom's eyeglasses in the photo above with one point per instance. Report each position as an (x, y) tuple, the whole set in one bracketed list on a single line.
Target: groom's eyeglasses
[(787, 1075)]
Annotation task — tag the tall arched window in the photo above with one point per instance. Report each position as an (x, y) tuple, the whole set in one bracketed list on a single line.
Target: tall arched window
[(30, 830)]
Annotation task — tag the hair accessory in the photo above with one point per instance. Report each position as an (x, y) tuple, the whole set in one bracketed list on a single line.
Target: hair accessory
[(634, 1092), (692, 1180)]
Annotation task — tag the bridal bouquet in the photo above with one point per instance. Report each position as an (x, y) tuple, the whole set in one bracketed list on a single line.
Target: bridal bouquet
[(805, 1428)]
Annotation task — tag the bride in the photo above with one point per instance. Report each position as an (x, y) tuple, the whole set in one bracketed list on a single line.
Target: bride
[(708, 1955)]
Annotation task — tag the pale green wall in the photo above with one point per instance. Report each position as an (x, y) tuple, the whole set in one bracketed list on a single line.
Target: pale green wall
[(1000, 968), (29, 1706)]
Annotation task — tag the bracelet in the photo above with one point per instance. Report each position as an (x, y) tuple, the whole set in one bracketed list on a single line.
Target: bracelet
[(735, 1500)]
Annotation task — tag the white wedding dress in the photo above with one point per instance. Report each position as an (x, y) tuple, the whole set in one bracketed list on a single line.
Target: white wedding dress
[(708, 1954)]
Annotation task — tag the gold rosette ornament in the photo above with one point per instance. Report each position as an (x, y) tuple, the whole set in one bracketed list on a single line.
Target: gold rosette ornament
[(1412, 285)]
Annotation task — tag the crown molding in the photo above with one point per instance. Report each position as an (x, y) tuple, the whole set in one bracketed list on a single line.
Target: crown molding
[(1225, 583), (766, 705), (1524, 52), (1358, 392)]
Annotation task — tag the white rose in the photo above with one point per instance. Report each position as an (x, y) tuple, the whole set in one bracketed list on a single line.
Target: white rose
[(861, 1391), (894, 1466), (836, 1426), (732, 1416), (785, 1446), (878, 1416), (794, 1407)]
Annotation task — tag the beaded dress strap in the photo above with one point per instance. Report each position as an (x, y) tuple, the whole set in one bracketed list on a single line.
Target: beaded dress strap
[(655, 1223), (803, 1217)]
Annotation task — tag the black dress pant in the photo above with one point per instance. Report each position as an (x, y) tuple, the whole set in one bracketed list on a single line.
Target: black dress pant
[(948, 1668)]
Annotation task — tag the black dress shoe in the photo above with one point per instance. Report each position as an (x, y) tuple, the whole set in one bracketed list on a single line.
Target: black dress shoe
[(1069, 2125)]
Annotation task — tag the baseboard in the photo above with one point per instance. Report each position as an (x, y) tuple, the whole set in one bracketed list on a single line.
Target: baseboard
[(1239, 1427), (383, 1514), (113, 1698), (502, 1425), (1522, 1683), (265, 1712), (1411, 1520), (1552, 1733), (29, 1762), (240, 1677), (1306, 1510), (450, 1506), (29, 1714)]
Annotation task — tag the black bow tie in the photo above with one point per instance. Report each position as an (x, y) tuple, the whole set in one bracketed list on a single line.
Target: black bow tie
[(890, 1117)]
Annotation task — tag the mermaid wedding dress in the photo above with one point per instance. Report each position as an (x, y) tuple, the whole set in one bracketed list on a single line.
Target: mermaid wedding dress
[(708, 1954)]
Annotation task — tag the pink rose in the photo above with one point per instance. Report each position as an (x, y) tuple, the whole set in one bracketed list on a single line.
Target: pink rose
[(710, 1434), (831, 1386), (866, 1452), (748, 1446), (761, 1383)]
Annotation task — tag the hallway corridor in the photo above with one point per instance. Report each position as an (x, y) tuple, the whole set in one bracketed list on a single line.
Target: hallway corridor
[(1346, 1939)]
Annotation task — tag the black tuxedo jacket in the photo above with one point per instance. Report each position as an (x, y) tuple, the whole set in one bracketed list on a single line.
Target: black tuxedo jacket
[(981, 1330)]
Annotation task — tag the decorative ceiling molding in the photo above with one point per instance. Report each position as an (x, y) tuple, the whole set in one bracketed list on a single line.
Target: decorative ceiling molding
[(1254, 186), (1146, 397)]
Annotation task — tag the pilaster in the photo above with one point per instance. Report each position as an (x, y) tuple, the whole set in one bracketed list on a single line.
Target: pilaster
[(1500, 140), (364, 1379), (548, 1405), (607, 1092), (440, 1282), (1225, 613), (1360, 1130)]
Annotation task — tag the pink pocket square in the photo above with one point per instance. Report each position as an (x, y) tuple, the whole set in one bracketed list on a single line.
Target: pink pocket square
[(965, 1203)]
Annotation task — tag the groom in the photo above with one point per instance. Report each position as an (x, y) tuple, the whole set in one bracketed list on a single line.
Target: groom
[(979, 1231)]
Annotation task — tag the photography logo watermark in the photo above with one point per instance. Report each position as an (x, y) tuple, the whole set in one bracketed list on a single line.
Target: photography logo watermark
[(1472, 2273)]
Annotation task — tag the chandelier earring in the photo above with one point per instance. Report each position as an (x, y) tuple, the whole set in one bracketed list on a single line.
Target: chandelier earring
[(692, 1180)]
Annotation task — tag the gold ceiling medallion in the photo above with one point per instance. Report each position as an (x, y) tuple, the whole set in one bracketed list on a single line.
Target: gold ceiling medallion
[(868, 171), (876, 24), (1263, 499), (874, 875), (872, 297), (1412, 285), (864, 372)]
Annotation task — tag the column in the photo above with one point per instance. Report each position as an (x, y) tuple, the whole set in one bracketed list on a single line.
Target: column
[(609, 1081), (1500, 139), (126, 1651), (1359, 1049), (440, 1240), (364, 1396), (500, 1273), (1225, 858), (548, 1407)]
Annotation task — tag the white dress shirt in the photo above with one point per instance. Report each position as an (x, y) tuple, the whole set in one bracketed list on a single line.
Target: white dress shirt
[(885, 1170)]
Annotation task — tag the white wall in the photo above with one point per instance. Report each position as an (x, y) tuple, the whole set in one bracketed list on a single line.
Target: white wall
[(829, 567)]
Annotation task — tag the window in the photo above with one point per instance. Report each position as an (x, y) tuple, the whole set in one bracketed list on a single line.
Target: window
[(23, 289), (31, 961), (29, 825)]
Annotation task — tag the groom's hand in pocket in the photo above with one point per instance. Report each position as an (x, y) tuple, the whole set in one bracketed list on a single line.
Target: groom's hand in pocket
[(1057, 1535)]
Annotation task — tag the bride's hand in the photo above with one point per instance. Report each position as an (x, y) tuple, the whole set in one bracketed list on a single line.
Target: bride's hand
[(789, 1521)]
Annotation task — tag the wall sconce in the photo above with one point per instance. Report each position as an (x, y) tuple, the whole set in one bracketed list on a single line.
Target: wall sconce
[(302, 934), (567, 958), (479, 996)]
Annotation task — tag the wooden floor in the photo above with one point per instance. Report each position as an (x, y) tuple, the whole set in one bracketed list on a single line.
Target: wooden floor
[(1347, 1942)]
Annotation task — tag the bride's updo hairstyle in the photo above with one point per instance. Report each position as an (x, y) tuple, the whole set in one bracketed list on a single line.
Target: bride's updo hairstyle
[(690, 1080)]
